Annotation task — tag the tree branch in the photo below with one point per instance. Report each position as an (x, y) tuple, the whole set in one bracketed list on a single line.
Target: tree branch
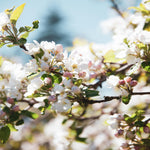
[(107, 99), (115, 6), (24, 48)]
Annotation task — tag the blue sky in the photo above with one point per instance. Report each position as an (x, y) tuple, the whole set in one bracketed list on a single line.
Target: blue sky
[(82, 17)]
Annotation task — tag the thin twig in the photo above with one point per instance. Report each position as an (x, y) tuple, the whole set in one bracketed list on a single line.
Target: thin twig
[(107, 99), (24, 48), (115, 6), (140, 93)]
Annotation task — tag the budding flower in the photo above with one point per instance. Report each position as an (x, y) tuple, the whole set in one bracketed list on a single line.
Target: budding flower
[(130, 135), (2, 114), (93, 75), (119, 133), (15, 108), (10, 100), (124, 145), (90, 64), (128, 79), (59, 48), (122, 82), (52, 98), (133, 83), (146, 129), (82, 74), (76, 90), (44, 66), (48, 80), (67, 74)]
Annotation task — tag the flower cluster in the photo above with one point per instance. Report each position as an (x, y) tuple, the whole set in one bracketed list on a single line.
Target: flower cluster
[(91, 83)]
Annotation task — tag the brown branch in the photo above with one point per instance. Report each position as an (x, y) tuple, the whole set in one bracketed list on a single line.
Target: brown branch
[(30, 103), (55, 72), (24, 48), (140, 93), (107, 99), (99, 83), (115, 6), (123, 68)]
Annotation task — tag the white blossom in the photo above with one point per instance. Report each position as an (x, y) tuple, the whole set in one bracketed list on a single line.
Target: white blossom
[(4, 20)]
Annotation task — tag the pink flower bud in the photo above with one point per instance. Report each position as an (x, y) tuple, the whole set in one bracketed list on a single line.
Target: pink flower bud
[(90, 64), (2, 114), (67, 74), (130, 135), (52, 98), (120, 132), (125, 145), (48, 80), (59, 48), (10, 100), (99, 66), (76, 90), (121, 82), (93, 75), (133, 83), (82, 74), (15, 108), (146, 129), (128, 79), (136, 147)]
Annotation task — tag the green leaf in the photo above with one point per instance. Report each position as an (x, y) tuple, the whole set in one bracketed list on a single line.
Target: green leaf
[(4, 134), (10, 38), (111, 57), (146, 142), (91, 93), (22, 29), (126, 99), (22, 41), (30, 114), (147, 26), (1, 60), (146, 66), (12, 127), (80, 139), (2, 44), (10, 45), (13, 116), (47, 76), (40, 54), (19, 122), (35, 24), (64, 121), (16, 13), (139, 123), (141, 9), (46, 101), (24, 35), (57, 78), (78, 82)]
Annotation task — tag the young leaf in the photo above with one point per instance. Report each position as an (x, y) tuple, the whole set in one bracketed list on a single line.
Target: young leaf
[(19, 122), (16, 13), (35, 24), (110, 57), (2, 44), (4, 134), (146, 66), (30, 114), (57, 78), (91, 93), (22, 41), (126, 99), (24, 35)]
